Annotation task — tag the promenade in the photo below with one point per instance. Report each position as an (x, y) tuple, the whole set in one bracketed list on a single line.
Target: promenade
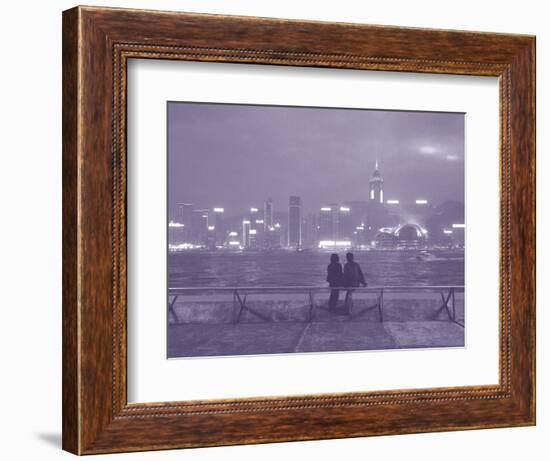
[(275, 323)]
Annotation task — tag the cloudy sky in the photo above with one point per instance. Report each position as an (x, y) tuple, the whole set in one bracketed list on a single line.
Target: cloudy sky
[(237, 156)]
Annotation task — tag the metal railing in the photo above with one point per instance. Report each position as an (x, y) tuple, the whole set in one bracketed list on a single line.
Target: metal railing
[(241, 295)]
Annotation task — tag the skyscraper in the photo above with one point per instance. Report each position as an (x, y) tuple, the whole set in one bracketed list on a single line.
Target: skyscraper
[(246, 233), (253, 216), (176, 233), (310, 230), (376, 187), (185, 217), (328, 222), (185, 211), (295, 222), (345, 225), (219, 226), (268, 214), (377, 214), (199, 227)]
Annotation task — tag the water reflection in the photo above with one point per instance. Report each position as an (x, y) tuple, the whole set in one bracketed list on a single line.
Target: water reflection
[(219, 269)]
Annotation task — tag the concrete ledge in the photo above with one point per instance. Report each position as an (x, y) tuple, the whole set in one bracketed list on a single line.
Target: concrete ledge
[(397, 307)]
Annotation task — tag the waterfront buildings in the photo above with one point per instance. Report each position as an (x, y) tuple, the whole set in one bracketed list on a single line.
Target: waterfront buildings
[(373, 221)]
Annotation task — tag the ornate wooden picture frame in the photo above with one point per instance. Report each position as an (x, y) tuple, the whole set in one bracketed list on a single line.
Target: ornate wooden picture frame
[(97, 44)]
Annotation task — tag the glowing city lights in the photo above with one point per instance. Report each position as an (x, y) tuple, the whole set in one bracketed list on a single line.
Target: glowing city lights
[(334, 244), (360, 224), (182, 246)]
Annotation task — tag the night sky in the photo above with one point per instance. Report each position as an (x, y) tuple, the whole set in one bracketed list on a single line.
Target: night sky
[(237, 156)]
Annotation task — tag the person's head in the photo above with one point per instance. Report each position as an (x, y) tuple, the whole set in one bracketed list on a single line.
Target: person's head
[(334, 258), (349, 257)]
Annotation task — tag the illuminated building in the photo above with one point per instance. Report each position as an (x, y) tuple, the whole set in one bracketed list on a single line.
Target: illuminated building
[(199, 227), (328, 222), (376, 187), (219, 226), (185, 217), (295, 222), (176, 233), (345, 224), (268, 214), (211, 237), (377, 214), (246, 233), (253, 216)]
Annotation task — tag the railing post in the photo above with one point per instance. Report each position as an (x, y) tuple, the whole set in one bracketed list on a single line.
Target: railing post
[(172, 310), (454, 308), (311, 306), (234, 307), (381, 304)]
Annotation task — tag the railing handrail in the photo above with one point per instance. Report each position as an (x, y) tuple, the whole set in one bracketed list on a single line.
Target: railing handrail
[(319, 288)]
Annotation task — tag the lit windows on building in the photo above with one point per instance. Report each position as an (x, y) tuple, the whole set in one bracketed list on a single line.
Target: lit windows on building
[(246, 233), (268, 214), (295, 222), (376, 186), (345, 224), (219, 225)]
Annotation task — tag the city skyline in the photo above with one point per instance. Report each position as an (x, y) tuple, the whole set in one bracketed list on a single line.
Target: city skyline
[(222, 155), (374, 223)]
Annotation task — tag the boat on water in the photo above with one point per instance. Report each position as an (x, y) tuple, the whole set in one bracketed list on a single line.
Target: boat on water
[(425, 255)]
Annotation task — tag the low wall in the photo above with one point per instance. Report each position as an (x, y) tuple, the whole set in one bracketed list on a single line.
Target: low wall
[(397, 307)]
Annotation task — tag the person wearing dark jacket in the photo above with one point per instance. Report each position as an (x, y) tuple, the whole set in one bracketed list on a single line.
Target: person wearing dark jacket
[(353, 277), (334, 279)]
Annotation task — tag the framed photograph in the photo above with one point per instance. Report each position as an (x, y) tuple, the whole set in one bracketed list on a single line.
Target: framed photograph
[(282, 230)]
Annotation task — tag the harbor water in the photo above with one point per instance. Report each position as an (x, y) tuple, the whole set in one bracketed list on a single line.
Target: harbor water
[(199, 268)]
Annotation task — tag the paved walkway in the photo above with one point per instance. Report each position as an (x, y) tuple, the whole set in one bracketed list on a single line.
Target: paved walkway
[(199, 340)]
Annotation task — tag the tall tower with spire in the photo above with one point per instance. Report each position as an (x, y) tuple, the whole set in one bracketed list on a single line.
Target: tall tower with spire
[(377, 215), (376, 187)]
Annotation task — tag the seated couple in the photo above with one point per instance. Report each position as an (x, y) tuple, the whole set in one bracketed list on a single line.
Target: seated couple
[(349, 276)]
